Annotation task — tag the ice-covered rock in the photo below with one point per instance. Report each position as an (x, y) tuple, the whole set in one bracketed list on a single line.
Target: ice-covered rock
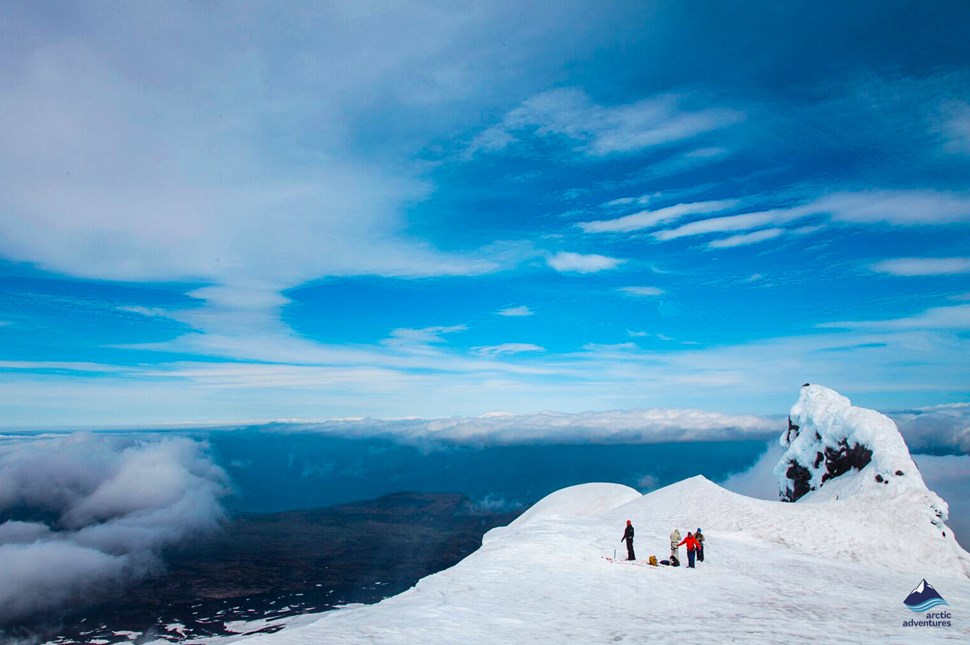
[(836, 451)]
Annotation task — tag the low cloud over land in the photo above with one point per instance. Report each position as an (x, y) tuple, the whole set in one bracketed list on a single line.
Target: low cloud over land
[(84, 513)]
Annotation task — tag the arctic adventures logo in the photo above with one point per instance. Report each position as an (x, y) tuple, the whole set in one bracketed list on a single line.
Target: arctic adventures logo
[(922, 599)]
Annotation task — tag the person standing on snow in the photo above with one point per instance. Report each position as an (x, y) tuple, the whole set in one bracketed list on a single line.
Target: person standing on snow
[(691, 544), (700, 544), (674, 539), (628, 538)]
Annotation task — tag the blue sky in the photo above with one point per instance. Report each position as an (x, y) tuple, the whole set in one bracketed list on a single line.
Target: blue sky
[(224, 212)]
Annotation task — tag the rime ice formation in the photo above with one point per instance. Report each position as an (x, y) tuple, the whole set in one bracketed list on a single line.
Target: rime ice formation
[(836, 450)]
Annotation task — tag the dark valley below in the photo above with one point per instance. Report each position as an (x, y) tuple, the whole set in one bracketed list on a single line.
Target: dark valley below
[(269, 566)]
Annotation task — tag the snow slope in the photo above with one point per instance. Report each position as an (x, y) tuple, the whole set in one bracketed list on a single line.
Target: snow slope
[(834, 567), (775, 572)]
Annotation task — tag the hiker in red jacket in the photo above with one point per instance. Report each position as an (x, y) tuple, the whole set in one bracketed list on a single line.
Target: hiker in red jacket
[(692, 546)]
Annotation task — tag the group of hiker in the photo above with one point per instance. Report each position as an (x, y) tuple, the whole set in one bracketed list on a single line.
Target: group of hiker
[(694, 543)]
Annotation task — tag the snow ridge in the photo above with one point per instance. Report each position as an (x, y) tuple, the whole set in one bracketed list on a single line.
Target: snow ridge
[(851, 541)]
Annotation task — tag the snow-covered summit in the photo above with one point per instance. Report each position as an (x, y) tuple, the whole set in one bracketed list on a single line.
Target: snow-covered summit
[(836, 570), (836, 450), (774, 572)]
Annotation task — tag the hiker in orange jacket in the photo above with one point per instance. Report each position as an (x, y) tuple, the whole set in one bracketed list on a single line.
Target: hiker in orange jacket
[(692, 546)]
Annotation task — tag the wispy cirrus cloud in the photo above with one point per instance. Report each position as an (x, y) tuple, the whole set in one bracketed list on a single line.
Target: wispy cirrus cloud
[(935, 318), (598, 130), (515, 312), (641, 291), (507, 349), (895, 207), (61, 366), (405, 338), (729, 224), (567, 262), (954, 126), (903, 208), (649, 219), (285, 379), (923, 266), (746, 239)]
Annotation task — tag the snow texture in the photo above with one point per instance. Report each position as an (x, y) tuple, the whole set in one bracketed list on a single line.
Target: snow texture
[(775, 572), (834, 567)]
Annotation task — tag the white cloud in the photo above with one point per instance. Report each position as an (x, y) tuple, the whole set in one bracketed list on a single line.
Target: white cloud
[(648, 219), (117, 504), (566, 262), (731, 223), (647, 483), (408, 338), (943, 428), (508, 348), (707, 153), (601, 131), (759, 481), (645, 292), (620, 426), (923, 266), (109, 193), (515, 312), (611, 349), (627, 201), (746, 239), (120, 161), (898, 207), (63, 366), (949, 477), (936, 318), (148, 312), (954, 126), (276, 376), (894, 207)]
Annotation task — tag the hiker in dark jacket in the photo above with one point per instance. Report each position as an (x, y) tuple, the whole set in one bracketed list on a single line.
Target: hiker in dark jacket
[(691, 548), (628, 538), (700, 544)]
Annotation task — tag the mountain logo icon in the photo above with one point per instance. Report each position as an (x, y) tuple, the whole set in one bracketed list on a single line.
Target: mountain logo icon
[(924, 597)]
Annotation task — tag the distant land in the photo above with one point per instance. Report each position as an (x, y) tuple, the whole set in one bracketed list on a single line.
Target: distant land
[(279, 564)]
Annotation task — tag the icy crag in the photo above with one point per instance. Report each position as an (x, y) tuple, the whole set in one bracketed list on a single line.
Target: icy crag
[(835, 447)]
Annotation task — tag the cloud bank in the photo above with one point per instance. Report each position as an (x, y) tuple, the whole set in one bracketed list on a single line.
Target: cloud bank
[(942, 429), (82, 514), (499, 428)]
